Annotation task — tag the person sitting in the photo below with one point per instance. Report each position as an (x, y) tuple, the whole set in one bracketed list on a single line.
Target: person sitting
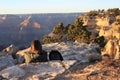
[(35, 54)]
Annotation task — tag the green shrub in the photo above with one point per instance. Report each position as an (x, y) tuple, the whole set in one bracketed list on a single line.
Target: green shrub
[(100, 40)]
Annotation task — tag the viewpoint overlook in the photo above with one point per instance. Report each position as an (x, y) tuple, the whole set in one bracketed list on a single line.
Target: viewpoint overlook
[(88, 42)]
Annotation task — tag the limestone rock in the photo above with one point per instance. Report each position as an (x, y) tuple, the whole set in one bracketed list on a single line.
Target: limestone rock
[(75, 51), (36, 71)]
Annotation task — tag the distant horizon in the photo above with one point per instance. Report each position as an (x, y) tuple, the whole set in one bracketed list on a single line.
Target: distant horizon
[(54, 6), (54, 12), (42, 13)]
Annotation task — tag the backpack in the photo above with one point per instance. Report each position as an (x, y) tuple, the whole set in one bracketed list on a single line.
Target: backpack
[(55, 55)]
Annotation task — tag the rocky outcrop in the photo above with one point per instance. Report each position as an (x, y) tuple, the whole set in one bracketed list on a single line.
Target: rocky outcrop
[(94, 22), (70, 51), (75, 51), (72, 54), (90, 22), (112, 49), (103, 22), (107, 26), (112, 31)]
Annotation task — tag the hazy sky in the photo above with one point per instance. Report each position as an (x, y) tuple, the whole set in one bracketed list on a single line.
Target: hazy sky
[(54, 6)]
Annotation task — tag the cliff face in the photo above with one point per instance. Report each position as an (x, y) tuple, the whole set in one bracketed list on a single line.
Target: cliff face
[(102, 22), (90, 22), (112, 30), (107, 26)]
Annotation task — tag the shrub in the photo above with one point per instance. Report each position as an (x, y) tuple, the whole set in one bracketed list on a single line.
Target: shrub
[(100, 40)]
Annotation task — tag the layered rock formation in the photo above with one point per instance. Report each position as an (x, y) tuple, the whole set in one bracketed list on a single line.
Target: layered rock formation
[(107, 26)]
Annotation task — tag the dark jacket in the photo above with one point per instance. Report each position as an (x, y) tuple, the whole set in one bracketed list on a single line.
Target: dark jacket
[(39, 57)]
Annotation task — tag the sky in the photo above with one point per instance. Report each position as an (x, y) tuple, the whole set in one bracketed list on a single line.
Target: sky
[(54, 6)]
